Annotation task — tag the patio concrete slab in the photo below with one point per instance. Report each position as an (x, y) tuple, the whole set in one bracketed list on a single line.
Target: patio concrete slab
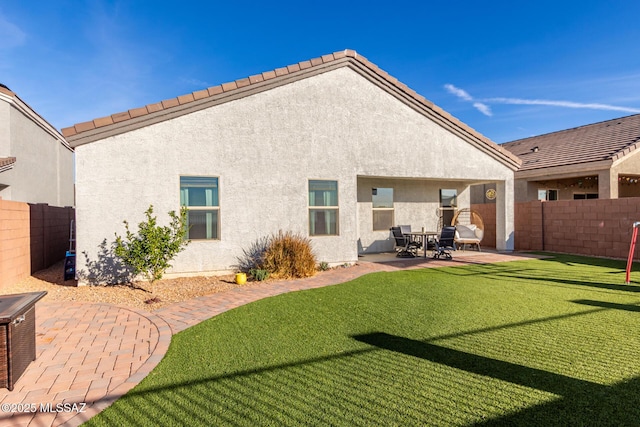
[(88, 355)]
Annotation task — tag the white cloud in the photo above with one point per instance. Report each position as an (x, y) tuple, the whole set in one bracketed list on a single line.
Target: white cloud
[(10, 34), (460, 93), (483, 108), (464, 95), (566, 104), (483, 105)]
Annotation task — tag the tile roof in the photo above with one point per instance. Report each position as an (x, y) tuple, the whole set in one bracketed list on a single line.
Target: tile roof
[(103, 127), (608, 140), (6, 163)]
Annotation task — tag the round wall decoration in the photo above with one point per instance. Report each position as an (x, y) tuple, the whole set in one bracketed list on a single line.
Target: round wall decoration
[(491, 194)]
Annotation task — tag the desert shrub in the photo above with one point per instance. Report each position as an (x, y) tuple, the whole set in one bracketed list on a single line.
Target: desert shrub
[(252, 257), (259, 274), (289, 255), (150, 251), (323, 266)]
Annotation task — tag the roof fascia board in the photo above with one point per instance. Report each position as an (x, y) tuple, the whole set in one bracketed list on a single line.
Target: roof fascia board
[(566, 171)]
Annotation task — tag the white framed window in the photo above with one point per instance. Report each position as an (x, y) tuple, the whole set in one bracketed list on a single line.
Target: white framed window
[(199, 194), (323, 208), (547, 194), (382, 206)]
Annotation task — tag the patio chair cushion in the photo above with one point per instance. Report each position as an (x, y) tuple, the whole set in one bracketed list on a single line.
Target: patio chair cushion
[(466, 234)]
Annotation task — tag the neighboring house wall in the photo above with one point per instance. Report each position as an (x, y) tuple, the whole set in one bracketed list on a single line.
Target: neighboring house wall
[(32, 237), (264, 149), (43, 170), (599, 227)]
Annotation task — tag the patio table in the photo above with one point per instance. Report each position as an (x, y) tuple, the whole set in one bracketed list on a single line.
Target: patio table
[(424, 237)]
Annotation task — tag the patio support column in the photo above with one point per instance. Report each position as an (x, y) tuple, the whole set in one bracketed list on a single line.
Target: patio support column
[(608, 184), (504, 215)]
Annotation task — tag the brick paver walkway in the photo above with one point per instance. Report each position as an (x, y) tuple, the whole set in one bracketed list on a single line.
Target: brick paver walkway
[(88, 355)]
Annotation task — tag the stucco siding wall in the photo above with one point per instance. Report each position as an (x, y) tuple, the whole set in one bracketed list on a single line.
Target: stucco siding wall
[(43, 172), (264, 149)]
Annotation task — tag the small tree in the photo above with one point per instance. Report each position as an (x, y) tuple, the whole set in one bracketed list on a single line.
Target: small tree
[(153, 247)]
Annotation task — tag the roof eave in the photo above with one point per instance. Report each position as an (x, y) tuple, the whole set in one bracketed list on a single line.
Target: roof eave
[(87, 132)]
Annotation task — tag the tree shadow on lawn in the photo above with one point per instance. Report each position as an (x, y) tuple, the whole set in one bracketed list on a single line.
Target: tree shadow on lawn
[(581, 402), (301, 392)]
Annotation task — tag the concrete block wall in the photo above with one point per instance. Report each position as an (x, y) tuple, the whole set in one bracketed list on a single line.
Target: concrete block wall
[(14, 242), (32, 237), (49, 234), (598, 227)]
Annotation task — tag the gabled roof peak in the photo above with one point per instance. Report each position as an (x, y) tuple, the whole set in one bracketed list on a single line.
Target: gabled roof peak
[(86, 132)]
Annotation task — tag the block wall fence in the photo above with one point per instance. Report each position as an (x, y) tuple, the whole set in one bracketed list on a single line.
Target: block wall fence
[(597, 227), (32, 237)]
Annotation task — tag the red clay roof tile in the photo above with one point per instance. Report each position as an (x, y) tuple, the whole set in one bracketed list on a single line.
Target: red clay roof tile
[(137, 112), (152, 108), (103, 121), (168, 103), (215, 90), (268, 75), (200, 94), (85, 126), (68, 131), (185, 99), (327, 58), (120, 117), (6, 161), (226, 87), (281, 71), (243, 82), (316, 61)]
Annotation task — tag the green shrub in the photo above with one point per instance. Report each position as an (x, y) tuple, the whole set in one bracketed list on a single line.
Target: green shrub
[(149, 251), (259, 274), (323, 266), (289, 255)]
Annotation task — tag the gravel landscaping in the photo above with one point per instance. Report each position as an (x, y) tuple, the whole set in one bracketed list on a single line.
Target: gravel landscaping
[(164, 292)]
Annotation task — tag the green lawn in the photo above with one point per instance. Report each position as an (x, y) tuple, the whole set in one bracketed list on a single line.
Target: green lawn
[(540, 342)]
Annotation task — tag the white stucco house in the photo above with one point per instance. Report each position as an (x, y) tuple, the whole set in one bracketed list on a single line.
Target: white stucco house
[(36, 162), (332, 148)]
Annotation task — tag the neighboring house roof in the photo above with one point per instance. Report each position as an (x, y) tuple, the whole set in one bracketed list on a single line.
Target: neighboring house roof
[(11, 97), (604, 141), (6, 163), (83, 133)]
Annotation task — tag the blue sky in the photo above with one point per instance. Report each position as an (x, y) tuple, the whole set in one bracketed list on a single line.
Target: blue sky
[(508, 69)]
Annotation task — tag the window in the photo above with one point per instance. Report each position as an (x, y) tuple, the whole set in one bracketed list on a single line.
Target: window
[(448, 204), (581, 196), (200, 195), (383, 212), (547, 194), (323, 208)]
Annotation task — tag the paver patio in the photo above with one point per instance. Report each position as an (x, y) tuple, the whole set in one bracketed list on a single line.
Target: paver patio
[(90, 354)]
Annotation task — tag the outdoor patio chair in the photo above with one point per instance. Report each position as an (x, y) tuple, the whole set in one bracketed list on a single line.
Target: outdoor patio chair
[(445, 243), (404, 247), (469, 228)]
